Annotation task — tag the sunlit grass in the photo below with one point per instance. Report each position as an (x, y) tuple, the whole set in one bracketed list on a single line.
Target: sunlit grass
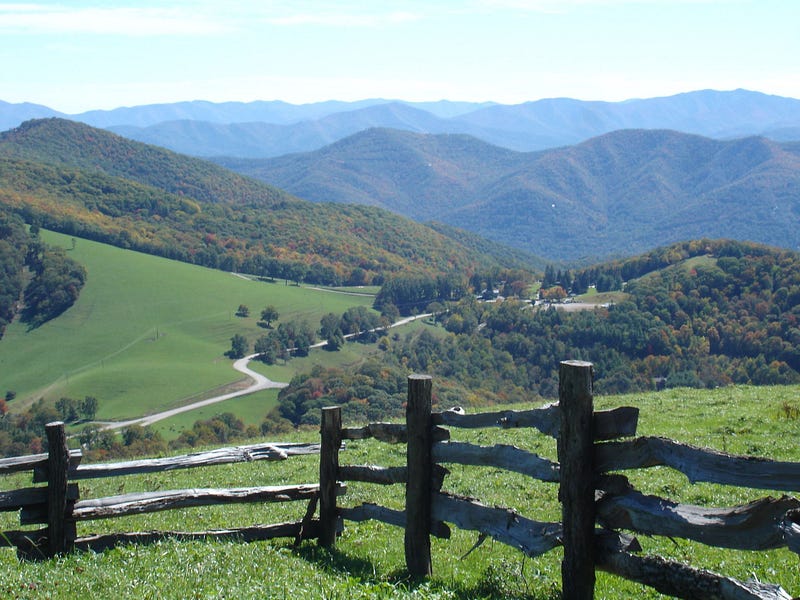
[(368, 560), (147, 333)]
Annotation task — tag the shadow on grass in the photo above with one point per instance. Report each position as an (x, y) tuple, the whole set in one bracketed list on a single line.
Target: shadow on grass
[(495, 583)]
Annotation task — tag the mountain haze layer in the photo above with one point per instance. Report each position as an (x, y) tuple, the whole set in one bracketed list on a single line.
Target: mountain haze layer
[(273, 128), (524, 127), (617, 194)]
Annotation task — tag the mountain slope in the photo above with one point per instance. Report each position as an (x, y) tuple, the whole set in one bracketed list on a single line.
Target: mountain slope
[(421, 176), (60, 142), (619, 193), (89, 182)]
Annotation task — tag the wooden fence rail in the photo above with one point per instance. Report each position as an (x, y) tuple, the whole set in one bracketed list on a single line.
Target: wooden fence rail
[(59, 507), (597, 505), (590, 496)]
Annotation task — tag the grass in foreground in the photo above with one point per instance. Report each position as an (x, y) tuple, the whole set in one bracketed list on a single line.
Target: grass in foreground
[(368, 560)]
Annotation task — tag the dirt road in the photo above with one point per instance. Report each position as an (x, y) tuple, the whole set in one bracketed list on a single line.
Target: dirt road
[(259, 383)]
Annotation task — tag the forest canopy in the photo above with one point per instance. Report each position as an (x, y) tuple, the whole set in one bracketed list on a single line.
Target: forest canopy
[(699, 314)]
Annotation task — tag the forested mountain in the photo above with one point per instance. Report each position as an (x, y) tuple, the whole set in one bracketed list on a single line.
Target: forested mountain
[(617, 194), (265, 129), (705, 313), (425, 177), (89, 182)]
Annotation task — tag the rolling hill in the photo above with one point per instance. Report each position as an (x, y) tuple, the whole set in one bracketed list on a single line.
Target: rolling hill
[(148, 333), (620, 193), (89, 182)]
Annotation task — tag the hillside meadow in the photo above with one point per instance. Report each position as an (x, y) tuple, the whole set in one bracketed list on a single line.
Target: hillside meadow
[(368, 560), (149, 333)]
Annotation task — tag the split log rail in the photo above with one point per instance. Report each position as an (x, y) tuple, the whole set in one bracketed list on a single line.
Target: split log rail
[(598, 506), (59, 507)]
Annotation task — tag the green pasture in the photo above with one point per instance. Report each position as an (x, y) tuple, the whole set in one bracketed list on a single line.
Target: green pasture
[(368, 559), (251, 409), (147, 333)]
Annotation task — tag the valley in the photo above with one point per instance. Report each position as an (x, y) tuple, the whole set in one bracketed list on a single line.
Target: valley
[(386, 301), (162, 236)]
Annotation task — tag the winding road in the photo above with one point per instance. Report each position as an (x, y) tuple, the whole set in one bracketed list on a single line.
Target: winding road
[(259, 383)]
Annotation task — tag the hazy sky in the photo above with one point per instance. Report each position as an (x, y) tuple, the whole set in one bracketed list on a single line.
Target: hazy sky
[(76, 56)]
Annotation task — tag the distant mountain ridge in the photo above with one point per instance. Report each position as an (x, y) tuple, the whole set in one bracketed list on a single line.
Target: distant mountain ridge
[(614, 195), (267, 129), (89, 182)]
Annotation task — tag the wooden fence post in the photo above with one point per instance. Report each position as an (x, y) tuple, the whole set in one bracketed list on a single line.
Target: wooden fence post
[(420, 466), (331, 433), (576, 490), (59, 539)]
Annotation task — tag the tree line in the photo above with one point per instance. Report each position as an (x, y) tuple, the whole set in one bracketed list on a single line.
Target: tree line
[(54, 280), (700, 314)]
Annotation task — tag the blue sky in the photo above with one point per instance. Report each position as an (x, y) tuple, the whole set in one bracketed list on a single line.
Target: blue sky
[(76, 56)]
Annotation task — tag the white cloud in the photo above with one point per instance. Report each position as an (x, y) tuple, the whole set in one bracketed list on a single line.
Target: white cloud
[(132, 21), (190, 18)]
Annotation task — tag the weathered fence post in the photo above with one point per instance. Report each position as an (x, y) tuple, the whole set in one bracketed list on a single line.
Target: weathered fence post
[(329, 473), (59, 539), (420, 466), (576, 490)]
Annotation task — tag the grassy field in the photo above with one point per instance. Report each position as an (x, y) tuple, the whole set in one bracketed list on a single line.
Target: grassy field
[(368, 559), (149, 333)]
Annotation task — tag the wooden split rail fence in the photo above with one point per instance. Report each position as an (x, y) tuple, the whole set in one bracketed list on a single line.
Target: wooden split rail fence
[(597, 504), (58, 506)]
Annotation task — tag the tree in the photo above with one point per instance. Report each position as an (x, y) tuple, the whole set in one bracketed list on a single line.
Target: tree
[(67, 409), (239, 346), (554, 294), (88, 408), (268, 348), (331, 331), (358, 277), (390, 312), (268, 315), (56, 284), (243, 311), (296, 272)]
